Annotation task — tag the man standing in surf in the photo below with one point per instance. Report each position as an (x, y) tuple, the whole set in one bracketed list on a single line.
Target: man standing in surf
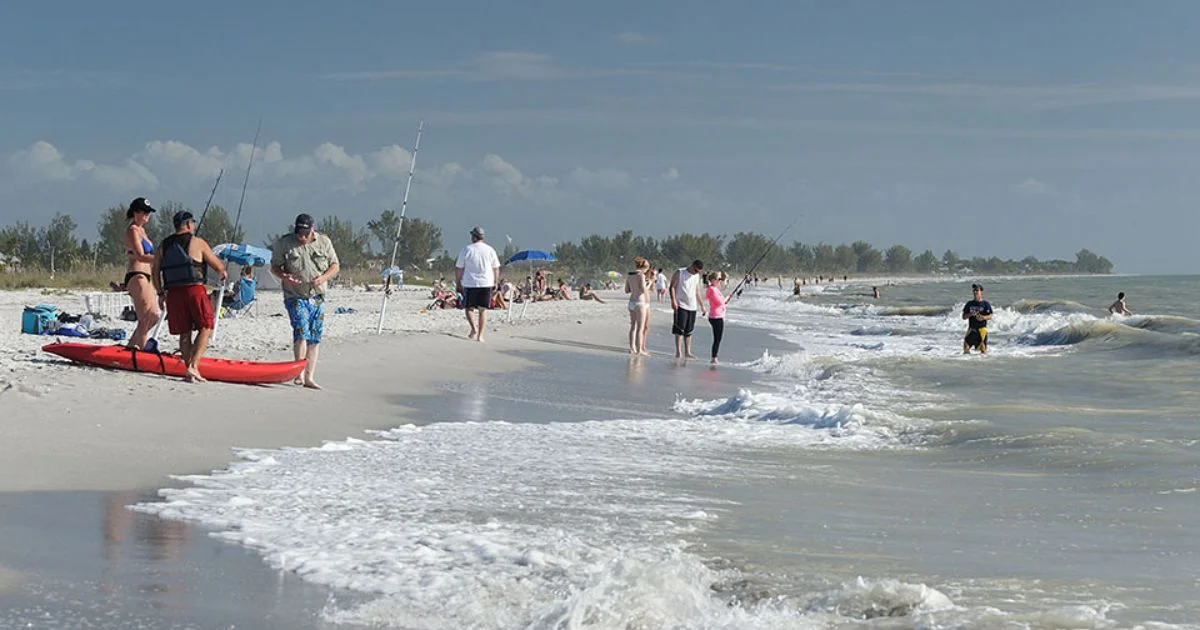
[(685, 299), (477, 272), (978, 312), (179, 271), (304, 261)]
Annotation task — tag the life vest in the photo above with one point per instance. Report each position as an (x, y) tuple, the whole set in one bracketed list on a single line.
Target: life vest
[(178, 268)]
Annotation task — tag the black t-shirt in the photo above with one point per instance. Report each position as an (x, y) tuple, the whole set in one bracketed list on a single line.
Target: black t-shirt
[(977, 307)]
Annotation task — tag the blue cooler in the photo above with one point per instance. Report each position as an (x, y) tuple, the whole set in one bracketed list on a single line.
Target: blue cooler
[(37, 320)]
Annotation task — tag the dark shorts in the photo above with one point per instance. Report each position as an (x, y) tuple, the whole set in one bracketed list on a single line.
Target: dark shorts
[(478, 297), (685, 322), (976, 338), (188, 309)]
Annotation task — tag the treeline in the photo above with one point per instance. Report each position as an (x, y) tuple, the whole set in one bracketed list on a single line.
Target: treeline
[(741, 252), (56, 247)]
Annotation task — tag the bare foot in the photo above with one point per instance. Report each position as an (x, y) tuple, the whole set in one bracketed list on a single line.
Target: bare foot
[(192, 375), (472, 335), (632, 351), (691, 356), (479, 338), (714, 361), (311, 384), (644, 353)]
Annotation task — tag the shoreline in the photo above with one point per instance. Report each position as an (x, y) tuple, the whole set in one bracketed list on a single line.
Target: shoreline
[(72, 427)]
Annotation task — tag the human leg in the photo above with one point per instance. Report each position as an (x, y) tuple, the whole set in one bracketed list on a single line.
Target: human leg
[(145, 304), (718, 330), (635, 324)]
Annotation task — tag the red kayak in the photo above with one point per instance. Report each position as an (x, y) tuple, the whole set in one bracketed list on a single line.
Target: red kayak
[(122, 358)]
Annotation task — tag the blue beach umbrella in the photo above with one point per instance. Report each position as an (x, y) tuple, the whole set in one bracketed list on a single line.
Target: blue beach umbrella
[(531, 256), (243, 254)]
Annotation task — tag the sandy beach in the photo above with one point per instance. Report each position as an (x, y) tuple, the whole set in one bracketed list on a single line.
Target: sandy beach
[(69, 427)]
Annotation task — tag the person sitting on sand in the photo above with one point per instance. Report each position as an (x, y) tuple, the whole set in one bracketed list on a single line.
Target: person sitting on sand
[(234, 294), (586, 293), (1118, 307), (563, 292)]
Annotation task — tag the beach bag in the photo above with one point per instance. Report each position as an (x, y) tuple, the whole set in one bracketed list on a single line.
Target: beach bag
[(39, 320)]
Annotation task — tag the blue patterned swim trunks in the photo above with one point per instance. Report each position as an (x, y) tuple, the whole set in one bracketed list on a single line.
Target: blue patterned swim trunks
[(307, 317)]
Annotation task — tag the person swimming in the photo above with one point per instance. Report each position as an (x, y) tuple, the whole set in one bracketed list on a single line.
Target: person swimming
[(1119, 307), (978, 312)]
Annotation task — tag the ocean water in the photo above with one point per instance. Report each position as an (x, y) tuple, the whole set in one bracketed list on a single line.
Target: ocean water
[(855, 471)]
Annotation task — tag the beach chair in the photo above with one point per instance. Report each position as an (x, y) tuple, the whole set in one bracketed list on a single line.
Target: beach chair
[(243, 302)]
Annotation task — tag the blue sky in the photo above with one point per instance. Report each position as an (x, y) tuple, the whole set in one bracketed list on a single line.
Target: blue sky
[(1009, 129)]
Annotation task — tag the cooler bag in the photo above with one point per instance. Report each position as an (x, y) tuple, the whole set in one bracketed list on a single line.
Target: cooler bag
[(37, 320)]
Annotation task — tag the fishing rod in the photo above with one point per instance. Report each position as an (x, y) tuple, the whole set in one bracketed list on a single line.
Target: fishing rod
[(246, 181), (208, 203), (390, 271), (237, 222), (766, 250)]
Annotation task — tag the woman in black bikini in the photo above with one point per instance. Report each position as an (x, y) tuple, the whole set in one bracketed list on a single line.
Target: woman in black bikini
[(140, 252)]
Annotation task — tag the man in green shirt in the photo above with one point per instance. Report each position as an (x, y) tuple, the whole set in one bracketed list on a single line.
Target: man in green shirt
[(304, 261)]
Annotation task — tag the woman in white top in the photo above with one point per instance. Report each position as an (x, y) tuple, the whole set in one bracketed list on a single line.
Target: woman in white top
[(637, 285)]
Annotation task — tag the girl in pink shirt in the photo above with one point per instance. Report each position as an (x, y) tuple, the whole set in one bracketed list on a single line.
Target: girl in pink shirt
[(716, 312)]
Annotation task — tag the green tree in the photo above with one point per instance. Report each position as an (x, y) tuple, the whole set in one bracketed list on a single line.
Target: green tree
[(844, 258), (951, 260), (682, 249), (110, 248), (218, 227), (899, 259), (803, 256), (352, 246), (418, 243), (927, 262), (59, 238), (825, 257), (745, 248), (869, 259)]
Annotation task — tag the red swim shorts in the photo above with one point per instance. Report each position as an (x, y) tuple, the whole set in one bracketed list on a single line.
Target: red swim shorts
[(188, 309)]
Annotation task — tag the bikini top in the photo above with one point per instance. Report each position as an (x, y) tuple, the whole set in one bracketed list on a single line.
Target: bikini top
[(147, 247)]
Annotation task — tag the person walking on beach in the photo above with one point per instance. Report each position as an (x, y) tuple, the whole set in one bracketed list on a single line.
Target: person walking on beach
[(637, 285), (978, 312), (477, 272), (660, 284), (139, 251), (716, 312), (1118, 307), (179, 272), (304, 261), (685, 299)]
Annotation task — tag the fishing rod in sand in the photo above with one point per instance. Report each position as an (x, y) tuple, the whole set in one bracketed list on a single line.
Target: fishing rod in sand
[(766, 250), (389, 272), (236, 223), (208, 204)]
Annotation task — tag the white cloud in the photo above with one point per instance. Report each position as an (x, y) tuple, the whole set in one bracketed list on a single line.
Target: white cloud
[(43, 162), (1032, 187), (670, 175)]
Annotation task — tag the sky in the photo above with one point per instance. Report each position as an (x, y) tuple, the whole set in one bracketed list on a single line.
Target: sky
[(994, 129)]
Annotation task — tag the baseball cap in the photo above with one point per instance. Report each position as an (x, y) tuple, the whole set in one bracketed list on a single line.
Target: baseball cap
[(977, 286), (181, 218), (141, 204), (477, 231), (304, 223)]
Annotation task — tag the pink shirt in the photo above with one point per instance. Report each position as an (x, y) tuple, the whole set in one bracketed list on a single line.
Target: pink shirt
[(716, 302)]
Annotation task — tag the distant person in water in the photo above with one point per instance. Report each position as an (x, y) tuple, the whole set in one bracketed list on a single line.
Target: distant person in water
[(1118, 307), (977, 312), (875, 292)]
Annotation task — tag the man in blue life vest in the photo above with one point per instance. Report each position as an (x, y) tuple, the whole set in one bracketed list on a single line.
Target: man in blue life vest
[(179, 271), (977, 312)]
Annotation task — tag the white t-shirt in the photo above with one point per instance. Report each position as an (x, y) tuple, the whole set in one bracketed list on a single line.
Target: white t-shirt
[(660, 282), (478, 262), (685, 291)]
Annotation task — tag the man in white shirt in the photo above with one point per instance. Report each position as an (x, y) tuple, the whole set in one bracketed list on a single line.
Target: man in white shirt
[(686, 297), (477, 272)]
